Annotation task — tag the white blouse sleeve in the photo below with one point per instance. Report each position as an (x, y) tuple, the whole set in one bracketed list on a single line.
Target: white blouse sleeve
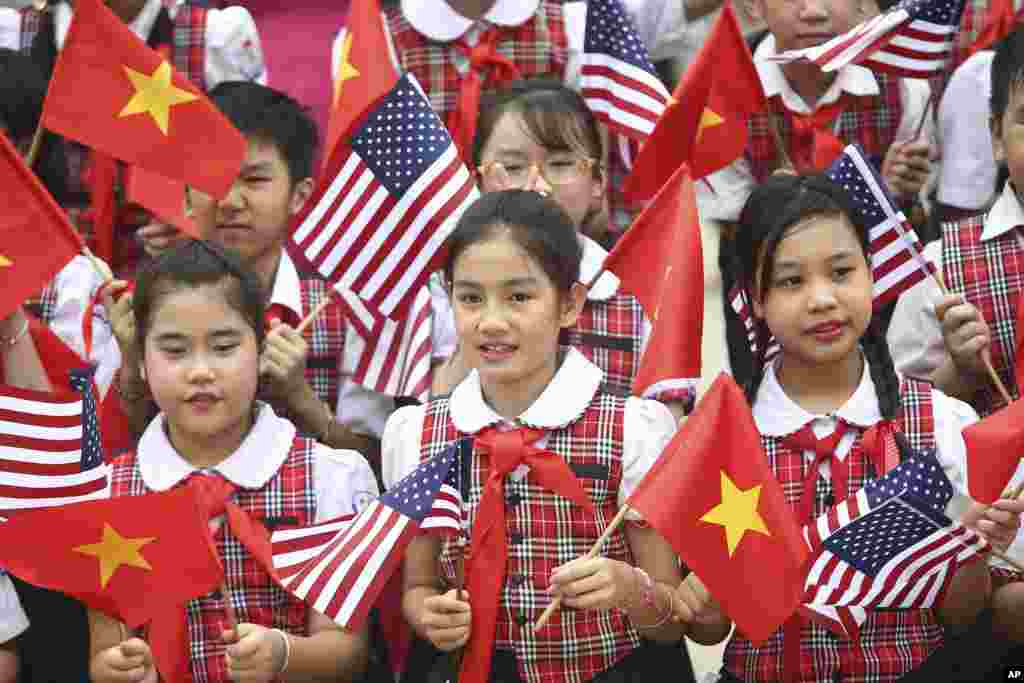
[(343, 482), (76, 284), (233, 50), (13, 620), (952, 416), (915, 334), (10, 27), (400, 445), (648, 427)]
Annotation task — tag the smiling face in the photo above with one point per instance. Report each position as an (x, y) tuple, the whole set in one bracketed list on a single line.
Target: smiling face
[(817, 300), (201, 362), (508, 314)]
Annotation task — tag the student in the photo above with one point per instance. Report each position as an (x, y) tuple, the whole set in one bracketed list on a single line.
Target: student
[(801, 255), (540, 135), (199, 316), (513, 268), (306, 377)]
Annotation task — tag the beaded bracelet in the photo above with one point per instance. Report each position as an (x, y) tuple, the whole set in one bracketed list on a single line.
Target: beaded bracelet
[(648, 597), (17, 337)]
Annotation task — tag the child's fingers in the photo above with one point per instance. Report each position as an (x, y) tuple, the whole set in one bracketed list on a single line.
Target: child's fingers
[(582, 586), (247, 644), (1009, 505), (135, 647), (574, 570)]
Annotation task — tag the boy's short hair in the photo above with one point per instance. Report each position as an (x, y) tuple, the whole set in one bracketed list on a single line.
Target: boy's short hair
[(271, 116), (1007, 71)]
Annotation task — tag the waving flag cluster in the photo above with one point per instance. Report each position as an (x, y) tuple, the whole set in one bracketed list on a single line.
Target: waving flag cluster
[(915, 39), (617, 79), (49, 450), (891, 545), (393, 192), (897, 261), (340, 568)]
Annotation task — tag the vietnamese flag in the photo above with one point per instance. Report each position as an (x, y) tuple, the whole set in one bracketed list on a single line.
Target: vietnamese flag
[(36, 239), (113, 93), (363, 71), (995, 445), (127, 557), (660, 261), (706, 120), (713, 497)]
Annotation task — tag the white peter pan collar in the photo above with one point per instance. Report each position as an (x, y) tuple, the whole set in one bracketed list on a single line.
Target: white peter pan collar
[(438, 21), (259, 456), (593, 257), (561, 403), (1005, 215), (778, 415)]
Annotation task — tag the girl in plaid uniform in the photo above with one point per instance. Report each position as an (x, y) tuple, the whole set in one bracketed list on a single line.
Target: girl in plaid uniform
[(200, 325), (547, 459), (541, 136), (833, 414)]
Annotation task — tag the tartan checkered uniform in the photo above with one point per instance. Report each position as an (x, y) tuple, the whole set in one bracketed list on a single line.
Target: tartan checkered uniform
[(289, 495), (870, 121), (326, 339), (892, 642), (610, 334), (575, 645), (186, 50), (990, 275)]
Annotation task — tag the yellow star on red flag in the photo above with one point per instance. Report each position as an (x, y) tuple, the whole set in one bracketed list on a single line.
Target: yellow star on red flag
[(708, 119), (115, 550), (155, 95), (737, 513), (5, 262), (346, 70)]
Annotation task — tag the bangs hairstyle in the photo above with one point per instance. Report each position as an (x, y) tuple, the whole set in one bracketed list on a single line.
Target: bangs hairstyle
[(1007, 72), (556, 118), (538, 225), (775, 206), (195, 264)]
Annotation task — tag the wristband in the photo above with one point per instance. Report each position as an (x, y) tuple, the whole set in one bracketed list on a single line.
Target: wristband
[(287, 650)]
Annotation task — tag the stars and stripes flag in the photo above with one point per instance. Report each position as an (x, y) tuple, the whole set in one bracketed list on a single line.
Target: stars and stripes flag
[(897, 259), (50, 453), (740, 305), (617, 79), (341, 571), (890, 545), (393, 357), (391, 194), (914, 39)]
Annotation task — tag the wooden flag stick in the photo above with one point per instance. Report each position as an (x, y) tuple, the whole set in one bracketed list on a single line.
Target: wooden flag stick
[(308, 320), (37, 142), (924, 117), (592, 553)]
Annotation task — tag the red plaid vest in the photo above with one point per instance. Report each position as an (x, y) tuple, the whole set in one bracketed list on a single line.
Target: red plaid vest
[(544, 531), (289, 498), (990, 275), (187, 51), (892, 642), (326, 339), (610, 334), (870, 121)]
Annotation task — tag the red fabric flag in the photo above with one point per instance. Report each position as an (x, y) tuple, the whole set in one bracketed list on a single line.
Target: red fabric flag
[(29, 218), (113, 93), (995, 446), (363, 73), (163, 197), (660, 261), (127, 557), (706, 120), (712, 495)]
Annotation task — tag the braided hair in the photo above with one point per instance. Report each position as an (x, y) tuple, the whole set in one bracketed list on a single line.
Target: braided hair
[(776, 205)]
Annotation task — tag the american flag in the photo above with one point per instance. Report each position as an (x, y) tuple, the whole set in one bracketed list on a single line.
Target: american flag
[(393, 356), (897, 259), (50, 453), (891, 544), (914, 39), (341, 573), (738, 301), (617, 79), (391, 195)]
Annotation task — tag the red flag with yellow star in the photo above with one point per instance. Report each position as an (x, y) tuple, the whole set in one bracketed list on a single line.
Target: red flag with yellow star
[(712, 495), (112, 92), (127, 557), (363, 70), (36, 239), (706, 120)]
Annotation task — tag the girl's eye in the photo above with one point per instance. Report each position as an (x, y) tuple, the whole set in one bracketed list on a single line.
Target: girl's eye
[(225, 348), (788, 282), (513, 169), (521, 297), (842, 273), (173, 351), (468, 299)]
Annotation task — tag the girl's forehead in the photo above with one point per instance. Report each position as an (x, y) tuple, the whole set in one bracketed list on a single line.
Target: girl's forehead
[(195, 307), (498, 257)]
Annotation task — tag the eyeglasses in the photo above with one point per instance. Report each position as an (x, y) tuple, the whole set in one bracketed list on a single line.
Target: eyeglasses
[(554, 171)]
